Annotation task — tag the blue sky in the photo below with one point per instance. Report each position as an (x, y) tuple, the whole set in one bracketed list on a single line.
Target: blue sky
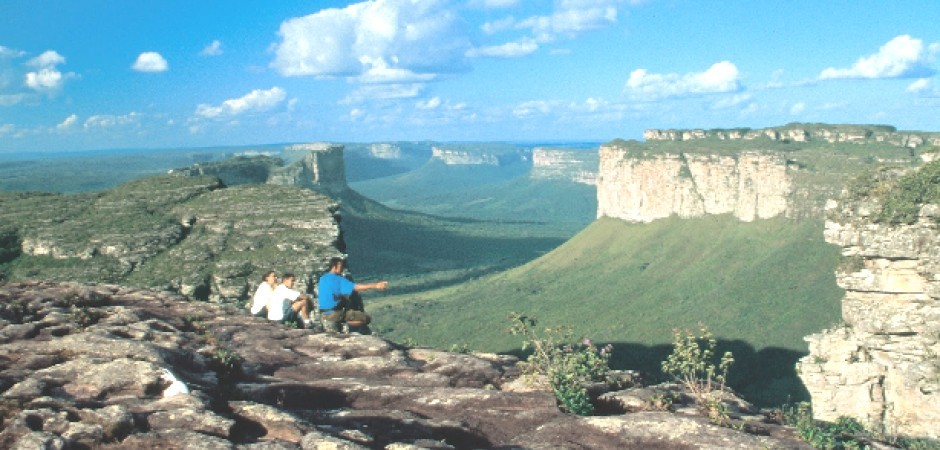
[(99, 74)]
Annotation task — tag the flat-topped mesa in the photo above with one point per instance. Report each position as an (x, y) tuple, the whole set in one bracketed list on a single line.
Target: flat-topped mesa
[(477, 156), (797, 132), (385, 151), (579, 166), (642, 188), (882, 365), (322, 168)]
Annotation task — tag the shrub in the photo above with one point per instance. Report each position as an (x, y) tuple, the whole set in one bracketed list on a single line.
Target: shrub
[(691, 365), (844, 433), (568, 367)]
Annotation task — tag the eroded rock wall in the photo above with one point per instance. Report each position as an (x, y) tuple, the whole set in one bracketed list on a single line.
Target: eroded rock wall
[(579, 166), (804, 133), (640, 188), (882, 366)]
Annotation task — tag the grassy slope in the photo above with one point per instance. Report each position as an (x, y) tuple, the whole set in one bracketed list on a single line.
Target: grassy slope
[(760, 287)]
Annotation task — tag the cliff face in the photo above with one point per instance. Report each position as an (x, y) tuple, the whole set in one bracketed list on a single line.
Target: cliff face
[(322, 168), (579, 166), (385, 151), (804, 133), (478, 156), (638, 188), (882, 366)]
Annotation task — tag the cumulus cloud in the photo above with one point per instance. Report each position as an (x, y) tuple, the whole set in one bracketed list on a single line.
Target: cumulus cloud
[(150, 62), (571, 17), (213, 49), (375, 41), (522, 47), (255, 101), (68, 123), (901, 57), (720, 77), (532, 108), (47, 77)]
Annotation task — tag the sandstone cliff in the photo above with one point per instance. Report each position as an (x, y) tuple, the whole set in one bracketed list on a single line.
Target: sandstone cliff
[(798, 132), (642, 188), (882, 366), (103, 366), (479, 155), (579, 166), (320, 167)]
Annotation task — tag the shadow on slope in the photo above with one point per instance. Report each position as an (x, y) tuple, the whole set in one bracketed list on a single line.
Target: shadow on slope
[(419, 252), (766, 284)]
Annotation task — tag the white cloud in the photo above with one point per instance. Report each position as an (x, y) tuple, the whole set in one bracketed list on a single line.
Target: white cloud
[(523, 47), (255, 101), (47, 77), (496, 26), (720, 77), (901, 57), (919, 85), (110, 121), (732, 101), (380, 40), (431, 103), (150, 62), (6, 52), (68, 122), (798, 108), (11, 99), (213, 49), (571, 17), (532, 108), (383, 92), (494, 4), (7, 128)]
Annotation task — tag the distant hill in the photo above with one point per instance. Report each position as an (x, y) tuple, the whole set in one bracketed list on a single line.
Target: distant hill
[(759, 286)]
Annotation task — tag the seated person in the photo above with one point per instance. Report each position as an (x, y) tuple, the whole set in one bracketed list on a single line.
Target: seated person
[(293, 305), (282, 302), (265, 290), (331, 289)]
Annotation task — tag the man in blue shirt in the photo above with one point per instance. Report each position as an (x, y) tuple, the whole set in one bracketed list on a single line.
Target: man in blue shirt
[(332, 287)]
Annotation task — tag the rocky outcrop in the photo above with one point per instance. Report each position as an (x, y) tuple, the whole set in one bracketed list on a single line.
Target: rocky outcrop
[(321, 168), (882, 366), (642, 188), (102, 366), (797, 132), (579, 166), (187, 234)]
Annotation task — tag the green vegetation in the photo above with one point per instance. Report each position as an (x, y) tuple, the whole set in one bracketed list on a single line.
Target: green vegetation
[(569, 367), (762, 287), (692, 365)]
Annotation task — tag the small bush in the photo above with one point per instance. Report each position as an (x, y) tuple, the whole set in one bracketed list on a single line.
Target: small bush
[(691, 364), (569, 368)]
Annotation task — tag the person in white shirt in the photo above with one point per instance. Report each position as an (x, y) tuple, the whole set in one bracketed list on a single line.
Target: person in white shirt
[(264, 292), (282, 302), (289, 305)]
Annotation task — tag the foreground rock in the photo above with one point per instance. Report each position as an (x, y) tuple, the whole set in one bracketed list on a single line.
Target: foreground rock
[(106, 366), (882, 365)]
